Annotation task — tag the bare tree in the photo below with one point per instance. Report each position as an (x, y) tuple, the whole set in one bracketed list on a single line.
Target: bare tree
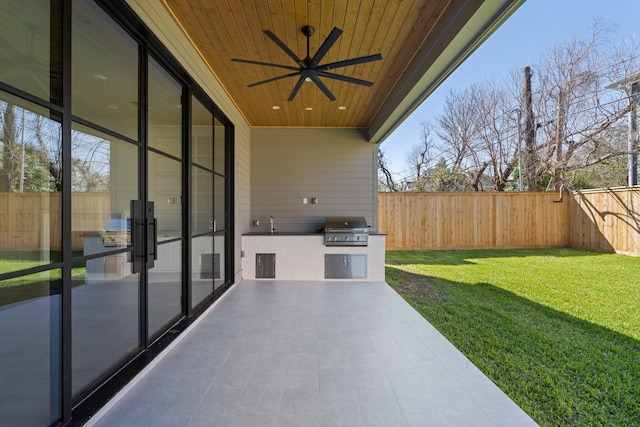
[(458, 126), (499, 133), (575, 113), (25, 153), (420, 158), (556, 124), (460, 135), (31, 154), (385, 178), (478, 137)]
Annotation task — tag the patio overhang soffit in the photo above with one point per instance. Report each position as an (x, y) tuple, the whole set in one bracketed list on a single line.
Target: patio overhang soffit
[(421, 43)]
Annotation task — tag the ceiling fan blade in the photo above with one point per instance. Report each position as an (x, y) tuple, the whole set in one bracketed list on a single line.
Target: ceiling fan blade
[(326, 45), (285, 48), (296, 88), (322, 87), (346, 79), (273, 79), (268, 64), (349, 62)]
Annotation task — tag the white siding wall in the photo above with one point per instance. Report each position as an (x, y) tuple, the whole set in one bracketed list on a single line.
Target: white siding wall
[(338, 166), (156, 17)]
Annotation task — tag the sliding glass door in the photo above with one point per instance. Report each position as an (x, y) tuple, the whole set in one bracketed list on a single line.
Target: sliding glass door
[(165, 169), (115, 201), (205, 262), (107, 151)]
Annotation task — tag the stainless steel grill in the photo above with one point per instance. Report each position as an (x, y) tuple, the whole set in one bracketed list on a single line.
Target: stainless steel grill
[(346, 231)]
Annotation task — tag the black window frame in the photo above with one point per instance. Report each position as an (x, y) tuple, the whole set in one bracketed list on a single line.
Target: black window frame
[(77, 411)]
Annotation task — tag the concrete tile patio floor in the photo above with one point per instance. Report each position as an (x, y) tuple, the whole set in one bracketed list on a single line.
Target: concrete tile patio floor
[(285, 353)]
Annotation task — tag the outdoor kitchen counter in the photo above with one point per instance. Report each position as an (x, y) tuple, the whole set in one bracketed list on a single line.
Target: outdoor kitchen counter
[(299, 233), (301, 255), (283, 233)]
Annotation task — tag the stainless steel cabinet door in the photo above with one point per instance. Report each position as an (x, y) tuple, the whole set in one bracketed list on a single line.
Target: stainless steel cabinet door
[(345, 266), (265, 266)]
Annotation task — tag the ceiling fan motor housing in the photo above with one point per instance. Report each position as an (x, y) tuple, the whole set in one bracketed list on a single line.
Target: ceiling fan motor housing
[(307, 30)]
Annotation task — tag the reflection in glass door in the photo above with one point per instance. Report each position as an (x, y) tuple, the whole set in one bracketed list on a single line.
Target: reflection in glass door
[(30, 240), (164, 184), (105, 175), (164, 287), (106, 290), (209, 224), (205, 262)]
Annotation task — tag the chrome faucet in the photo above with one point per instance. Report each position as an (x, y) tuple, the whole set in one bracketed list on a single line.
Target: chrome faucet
[(272, 225)]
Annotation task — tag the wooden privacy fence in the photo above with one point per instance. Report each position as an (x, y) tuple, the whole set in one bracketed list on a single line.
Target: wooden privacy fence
[(427, 221), (32, 221), (604, 220)]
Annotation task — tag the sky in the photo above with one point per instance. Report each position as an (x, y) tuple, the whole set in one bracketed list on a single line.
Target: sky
[(536, 26)]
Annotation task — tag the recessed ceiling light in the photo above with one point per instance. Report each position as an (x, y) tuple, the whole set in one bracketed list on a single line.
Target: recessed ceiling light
[(99, 77), (309, 108), (276, 107), (342, 107)]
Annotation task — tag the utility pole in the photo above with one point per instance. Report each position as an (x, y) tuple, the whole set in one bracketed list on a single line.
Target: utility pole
[(529, 131), (559, 169)]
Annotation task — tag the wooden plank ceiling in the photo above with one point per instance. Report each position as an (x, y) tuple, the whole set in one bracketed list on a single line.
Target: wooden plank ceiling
[(226, 29)]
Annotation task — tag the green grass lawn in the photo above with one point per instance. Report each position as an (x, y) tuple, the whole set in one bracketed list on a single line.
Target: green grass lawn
[(558, 330), (35, 285)]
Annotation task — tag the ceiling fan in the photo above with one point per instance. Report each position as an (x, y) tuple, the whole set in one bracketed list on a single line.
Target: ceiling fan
[(309, 68)]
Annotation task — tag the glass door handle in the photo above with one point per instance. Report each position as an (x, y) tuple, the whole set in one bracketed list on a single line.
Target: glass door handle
[(152, 235), (137, 235), (144, 235)]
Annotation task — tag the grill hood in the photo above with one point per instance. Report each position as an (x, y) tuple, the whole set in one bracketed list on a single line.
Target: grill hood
[(345, 223)]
